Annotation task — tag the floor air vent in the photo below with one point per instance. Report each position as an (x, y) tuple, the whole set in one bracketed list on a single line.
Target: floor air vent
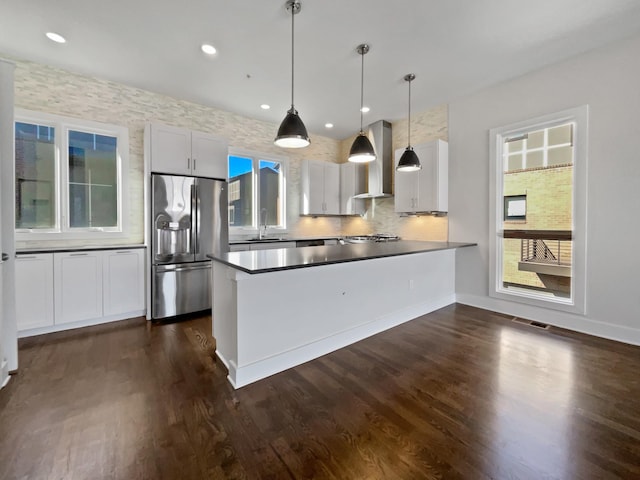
[(531, 323)]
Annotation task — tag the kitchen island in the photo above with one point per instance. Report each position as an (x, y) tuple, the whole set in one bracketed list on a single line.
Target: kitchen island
[(275, 309)]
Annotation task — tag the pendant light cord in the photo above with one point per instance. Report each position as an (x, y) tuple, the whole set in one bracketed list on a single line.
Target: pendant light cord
[(361, 91), (293, 14), (409, 119)]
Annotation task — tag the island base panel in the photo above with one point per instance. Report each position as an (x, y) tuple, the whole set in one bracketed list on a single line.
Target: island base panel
[(269, 322)]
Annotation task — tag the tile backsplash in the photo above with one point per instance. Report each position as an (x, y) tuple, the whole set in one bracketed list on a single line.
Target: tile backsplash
[(53, 90)]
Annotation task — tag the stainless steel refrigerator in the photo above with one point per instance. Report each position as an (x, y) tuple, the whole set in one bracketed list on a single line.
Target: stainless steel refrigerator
[(188, 221)]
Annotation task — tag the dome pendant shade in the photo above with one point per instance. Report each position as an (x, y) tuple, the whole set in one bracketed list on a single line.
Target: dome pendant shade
[(362, 151), (292, 132), (409, 161)]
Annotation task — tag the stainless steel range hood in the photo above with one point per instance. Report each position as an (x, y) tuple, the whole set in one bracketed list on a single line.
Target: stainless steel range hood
[(380, 171)]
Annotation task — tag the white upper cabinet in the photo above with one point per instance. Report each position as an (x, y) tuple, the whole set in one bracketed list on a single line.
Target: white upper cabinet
[(427, 189), (184, 152), (170, 149), (320, 188), (352, 182), (209, 155)]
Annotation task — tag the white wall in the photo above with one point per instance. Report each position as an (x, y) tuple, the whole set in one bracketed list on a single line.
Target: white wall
[(608, 80)]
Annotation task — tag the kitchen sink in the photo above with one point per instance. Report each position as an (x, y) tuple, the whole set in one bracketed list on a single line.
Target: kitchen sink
[(266, 239)]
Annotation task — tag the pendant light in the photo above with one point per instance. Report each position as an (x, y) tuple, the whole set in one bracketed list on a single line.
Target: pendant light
[(409, 161), (362, 151), (292, 132)]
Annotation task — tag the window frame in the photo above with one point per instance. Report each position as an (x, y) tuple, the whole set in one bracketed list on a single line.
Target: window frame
[(256, 157), (515, 218), (579, 116), (62, 229)]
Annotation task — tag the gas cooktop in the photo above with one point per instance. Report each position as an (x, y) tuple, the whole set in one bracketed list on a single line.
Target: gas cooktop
[(373, 238)]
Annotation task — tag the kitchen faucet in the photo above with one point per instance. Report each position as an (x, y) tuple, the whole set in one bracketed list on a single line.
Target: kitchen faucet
[(263, 223)]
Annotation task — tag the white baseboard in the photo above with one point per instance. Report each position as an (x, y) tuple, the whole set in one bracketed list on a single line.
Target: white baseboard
[(84, 323), (246, 374), (578, 323)]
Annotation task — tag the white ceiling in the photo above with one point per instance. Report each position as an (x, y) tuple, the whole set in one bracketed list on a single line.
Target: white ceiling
[(453, 46)]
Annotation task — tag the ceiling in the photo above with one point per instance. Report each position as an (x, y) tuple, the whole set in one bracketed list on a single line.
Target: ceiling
[(453, 46)]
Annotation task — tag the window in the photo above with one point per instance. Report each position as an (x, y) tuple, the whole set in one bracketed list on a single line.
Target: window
[(257, 189), (69, 177), (538, 212), (546, 147), (515, 207)]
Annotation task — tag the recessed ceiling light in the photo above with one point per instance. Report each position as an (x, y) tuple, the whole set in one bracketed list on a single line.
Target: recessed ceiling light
[(264, 106), (208, 49), (365, 109), (56, 37), (328, 125)]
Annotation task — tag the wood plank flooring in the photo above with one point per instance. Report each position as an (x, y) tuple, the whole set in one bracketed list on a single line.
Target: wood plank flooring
[(461, 393)]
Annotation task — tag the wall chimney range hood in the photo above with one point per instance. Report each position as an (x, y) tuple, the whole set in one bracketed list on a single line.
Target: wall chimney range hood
[(380, 171)]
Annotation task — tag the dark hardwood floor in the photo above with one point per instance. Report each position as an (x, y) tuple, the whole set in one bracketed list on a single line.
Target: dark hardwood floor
[(460, 393)]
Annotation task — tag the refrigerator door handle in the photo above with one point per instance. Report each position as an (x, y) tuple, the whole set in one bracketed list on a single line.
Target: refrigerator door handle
[(195, 218), (181, 267)]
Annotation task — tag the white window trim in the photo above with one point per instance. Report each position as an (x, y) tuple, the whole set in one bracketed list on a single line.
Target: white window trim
[(497, 136), (256, 157), (62, 231)]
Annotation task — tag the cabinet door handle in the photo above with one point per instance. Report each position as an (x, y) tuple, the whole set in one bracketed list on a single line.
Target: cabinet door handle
[(194, 164), (123, 251), (78, 254), (188, 163), (24, 257)]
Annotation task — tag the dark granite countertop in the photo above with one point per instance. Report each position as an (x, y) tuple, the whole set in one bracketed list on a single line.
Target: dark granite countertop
[(35, 250), (262, 261)]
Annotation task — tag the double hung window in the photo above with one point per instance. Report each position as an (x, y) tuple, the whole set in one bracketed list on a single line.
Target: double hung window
[(70, 180), (257, 191)]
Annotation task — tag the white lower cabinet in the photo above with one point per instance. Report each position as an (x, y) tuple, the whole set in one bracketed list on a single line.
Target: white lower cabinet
[(121, 274), (78, 286), (54, 290), (34, 291)]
